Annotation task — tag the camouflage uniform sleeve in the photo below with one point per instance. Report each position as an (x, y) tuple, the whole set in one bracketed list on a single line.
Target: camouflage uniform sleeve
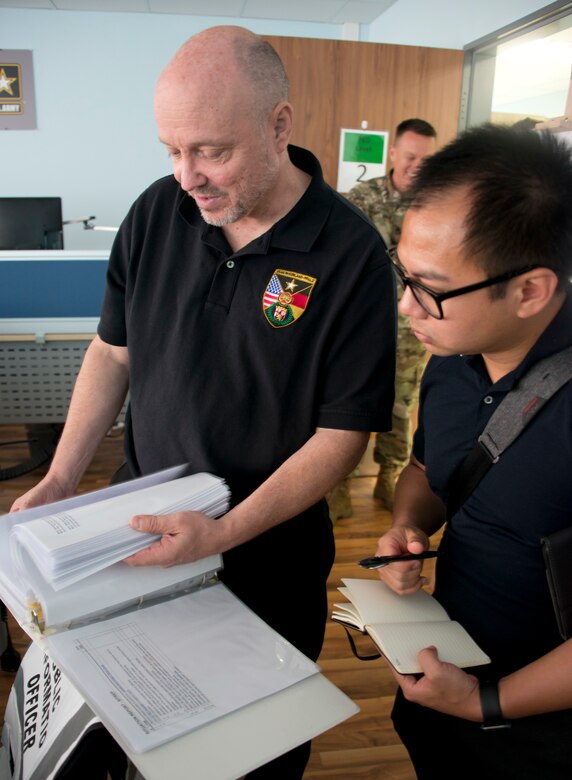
[(374, 199), (360, 196)]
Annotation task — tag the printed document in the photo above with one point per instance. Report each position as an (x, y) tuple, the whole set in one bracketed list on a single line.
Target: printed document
[(165, 670)]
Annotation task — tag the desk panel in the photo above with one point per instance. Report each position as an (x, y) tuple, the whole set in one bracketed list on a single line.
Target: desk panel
[(49, 310), (51, 288), (37, 379)]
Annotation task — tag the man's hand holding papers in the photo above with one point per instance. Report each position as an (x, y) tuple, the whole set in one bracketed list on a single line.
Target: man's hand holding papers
[(68, 546)]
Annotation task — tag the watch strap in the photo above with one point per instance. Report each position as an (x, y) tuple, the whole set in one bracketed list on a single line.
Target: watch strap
[(490, 705)]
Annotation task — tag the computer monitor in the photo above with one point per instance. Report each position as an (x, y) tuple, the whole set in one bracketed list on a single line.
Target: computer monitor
[(31, 223)]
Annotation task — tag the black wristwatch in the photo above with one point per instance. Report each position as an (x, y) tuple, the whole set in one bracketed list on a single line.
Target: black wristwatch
[(490, 705)]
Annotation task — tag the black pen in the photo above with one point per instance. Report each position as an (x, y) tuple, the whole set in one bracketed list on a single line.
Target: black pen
[(377, 561)]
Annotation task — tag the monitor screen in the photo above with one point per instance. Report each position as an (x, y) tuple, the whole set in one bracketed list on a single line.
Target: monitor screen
[(31, 223)]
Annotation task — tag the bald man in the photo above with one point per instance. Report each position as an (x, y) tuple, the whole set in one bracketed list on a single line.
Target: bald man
[(243, 297)]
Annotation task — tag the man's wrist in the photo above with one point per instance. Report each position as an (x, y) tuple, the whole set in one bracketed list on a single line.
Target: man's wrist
[(62, 482)]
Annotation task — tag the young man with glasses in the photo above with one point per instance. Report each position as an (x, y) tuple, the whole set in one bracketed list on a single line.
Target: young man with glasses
[(485, 260)]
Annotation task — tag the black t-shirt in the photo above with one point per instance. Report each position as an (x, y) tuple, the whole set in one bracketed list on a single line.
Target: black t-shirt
[(491, 577), (236, 358)]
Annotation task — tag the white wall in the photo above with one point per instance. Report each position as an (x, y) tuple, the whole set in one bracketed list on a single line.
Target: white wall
[(444, 24), (96, 145)]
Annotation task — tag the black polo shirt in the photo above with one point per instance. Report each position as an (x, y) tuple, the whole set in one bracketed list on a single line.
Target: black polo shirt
[(236, 358), (491, 577)]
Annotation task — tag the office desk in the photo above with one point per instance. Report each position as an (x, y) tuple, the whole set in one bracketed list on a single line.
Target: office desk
[(49, 310)]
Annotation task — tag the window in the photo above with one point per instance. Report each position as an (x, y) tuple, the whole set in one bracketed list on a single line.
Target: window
[(522, 72)]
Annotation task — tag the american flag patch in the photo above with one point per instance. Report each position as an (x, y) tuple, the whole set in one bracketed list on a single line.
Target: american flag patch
[(272, 292)]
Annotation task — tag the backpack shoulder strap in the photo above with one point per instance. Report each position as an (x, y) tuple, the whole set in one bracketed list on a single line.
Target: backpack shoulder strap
[(525, 401), (513, 414)]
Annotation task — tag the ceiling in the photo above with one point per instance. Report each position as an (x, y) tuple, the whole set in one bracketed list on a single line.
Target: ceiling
[(324, 11)]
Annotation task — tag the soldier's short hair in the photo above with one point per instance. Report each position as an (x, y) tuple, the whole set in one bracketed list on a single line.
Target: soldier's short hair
[(520, 185), (419, 126)]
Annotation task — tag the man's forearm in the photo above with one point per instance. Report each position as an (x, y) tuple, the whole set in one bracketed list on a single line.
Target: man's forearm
[(543, 686), (415, 504), (328, 457), (98, 396)]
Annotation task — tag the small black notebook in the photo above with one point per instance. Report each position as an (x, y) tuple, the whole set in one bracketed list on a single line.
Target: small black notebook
[(557, 551)]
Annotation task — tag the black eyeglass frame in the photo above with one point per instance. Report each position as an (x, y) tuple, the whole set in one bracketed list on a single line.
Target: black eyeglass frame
[(440, 297)]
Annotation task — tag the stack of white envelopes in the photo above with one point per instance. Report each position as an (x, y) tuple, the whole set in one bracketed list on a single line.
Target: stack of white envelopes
[(68, 546)]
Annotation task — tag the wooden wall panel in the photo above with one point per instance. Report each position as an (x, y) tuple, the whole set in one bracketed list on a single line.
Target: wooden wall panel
[(311, 66), (337, 84)]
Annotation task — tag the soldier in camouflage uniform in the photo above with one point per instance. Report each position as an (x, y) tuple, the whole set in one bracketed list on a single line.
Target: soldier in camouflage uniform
[(384, 200)]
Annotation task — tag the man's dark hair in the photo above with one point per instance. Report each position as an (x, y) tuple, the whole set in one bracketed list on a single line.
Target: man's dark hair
[(419, 126), (520, 186)]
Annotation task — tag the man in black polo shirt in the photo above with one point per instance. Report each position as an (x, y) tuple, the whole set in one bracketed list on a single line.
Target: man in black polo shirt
[(251, 312), (492, 207)]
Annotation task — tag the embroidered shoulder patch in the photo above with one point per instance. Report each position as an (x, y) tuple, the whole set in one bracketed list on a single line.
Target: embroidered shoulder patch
[(286, 297)]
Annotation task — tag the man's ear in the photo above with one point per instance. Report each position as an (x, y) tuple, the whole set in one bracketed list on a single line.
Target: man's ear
[(282, 125), (536, 291)]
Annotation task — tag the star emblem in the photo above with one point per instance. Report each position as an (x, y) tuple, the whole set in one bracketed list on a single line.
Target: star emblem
[(286, 297), (5, 82)]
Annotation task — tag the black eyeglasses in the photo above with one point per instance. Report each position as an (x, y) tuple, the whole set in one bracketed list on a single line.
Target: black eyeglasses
[(429, 300)]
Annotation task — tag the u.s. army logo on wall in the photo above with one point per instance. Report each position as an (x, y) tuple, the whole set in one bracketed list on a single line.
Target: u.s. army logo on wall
[(17, 99), (286, 297)]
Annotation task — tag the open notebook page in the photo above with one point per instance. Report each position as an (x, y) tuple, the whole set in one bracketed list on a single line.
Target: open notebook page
[(373, 602)]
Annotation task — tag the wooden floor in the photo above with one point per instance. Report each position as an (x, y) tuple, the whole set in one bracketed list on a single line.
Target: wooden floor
[(364, 747)]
